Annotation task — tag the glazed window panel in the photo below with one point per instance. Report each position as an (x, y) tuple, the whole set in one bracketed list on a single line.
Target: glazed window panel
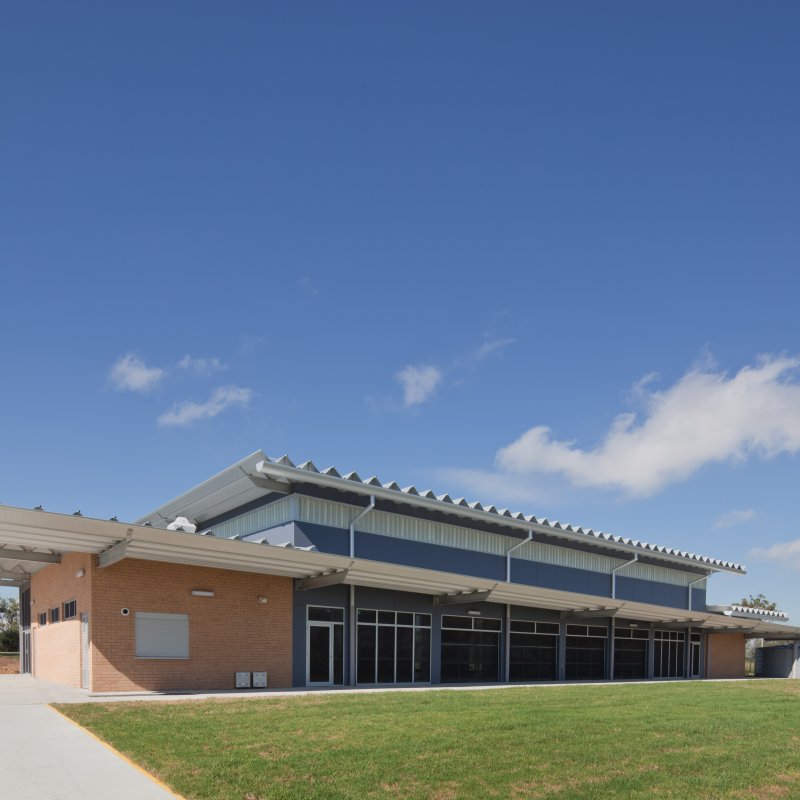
[(470, 649), (392, 647), (630, 658), (70, 609), (585, 658)]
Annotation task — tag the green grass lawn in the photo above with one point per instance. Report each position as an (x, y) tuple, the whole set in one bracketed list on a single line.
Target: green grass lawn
[(676, 740)]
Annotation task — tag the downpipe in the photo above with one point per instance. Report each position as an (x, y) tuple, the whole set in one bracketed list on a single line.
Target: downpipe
[(361, 514)]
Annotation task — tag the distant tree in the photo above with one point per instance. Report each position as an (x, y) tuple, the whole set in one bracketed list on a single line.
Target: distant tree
[(758, 601), (9, 625)]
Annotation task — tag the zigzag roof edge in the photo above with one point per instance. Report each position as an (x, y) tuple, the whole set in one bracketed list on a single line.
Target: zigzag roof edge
[(563, 528)]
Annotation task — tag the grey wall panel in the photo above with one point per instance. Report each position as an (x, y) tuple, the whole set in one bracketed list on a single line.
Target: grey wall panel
[(775, 662), (535, 614)]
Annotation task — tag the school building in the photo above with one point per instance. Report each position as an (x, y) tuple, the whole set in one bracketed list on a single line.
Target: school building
[(287, 576)]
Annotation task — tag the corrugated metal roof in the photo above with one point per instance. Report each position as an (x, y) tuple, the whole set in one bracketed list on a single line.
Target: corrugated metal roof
[(237, 482), (756, 613), (307, 471)]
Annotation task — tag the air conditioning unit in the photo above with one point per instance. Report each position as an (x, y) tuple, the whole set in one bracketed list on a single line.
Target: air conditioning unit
[(259, 680), (242, 680)]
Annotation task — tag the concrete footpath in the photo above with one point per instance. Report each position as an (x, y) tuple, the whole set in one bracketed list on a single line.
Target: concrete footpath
[(47, 757)]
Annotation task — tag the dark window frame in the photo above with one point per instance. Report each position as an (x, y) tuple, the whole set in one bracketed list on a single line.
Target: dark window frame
[(372, 637)]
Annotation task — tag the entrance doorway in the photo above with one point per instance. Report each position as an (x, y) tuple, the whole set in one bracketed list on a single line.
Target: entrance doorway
[(694, 656), (324, 646)]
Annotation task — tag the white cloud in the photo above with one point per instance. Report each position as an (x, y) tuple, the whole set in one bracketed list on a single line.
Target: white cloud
[(639, 388), (785, 553), (706, 417), (490, 347), (130, 373), (735, 518), (201, 366), (221, 399), (419, 383), (492, 487)]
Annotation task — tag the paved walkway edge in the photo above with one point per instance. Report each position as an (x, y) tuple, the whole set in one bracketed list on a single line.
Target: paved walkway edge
[(117, 753)]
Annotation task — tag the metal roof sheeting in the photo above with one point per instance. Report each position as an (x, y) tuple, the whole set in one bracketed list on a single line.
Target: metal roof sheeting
[(239, 484), (308, 472), (749, 612)]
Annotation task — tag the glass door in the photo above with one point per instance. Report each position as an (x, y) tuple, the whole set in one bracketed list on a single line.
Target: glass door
[(694, 664), (319, 654)]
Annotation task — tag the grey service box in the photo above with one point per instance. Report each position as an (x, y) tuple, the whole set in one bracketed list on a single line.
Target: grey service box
[(242, 680), (259, 680)]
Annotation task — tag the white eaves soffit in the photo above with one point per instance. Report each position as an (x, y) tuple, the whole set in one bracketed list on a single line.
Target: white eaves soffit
[(257, 475), (31, 540)]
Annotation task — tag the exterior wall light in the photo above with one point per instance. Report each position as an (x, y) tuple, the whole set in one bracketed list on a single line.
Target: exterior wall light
[(262, 600), (474, 613), (80, 573), (201, 593)]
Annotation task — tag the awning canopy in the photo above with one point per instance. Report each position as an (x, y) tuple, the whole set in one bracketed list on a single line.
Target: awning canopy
[(44, 534)]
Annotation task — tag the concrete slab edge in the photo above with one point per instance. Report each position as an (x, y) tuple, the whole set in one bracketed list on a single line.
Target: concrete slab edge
[(119, 755), (232, 694)]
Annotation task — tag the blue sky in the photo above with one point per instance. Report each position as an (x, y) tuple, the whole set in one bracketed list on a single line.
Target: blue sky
[(543, 255)]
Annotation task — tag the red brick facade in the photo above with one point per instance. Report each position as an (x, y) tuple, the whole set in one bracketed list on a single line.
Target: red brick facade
[(725, 655), (229, 632), (57, 647)]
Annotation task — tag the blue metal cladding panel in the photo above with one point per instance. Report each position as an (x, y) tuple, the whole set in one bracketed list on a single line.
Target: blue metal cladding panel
[(566, 579), (698, 599), (660, 594), (483, 565), (327, 539), (429, 556)]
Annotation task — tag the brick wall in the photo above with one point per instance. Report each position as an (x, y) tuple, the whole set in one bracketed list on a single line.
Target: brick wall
[(725, 655), (57, 647), (229, 632)]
